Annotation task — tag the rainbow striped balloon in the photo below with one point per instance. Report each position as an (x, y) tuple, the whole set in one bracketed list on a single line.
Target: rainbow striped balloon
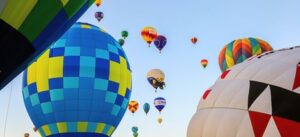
[(239, 50)]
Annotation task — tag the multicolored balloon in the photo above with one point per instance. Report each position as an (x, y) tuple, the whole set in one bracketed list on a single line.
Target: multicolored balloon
[(149, 34), (28, 28), (241, 49), (99, 15), (156, 78), (256, 98), (98, 2), (73, 86), (204, 63), (159, 120), (160, 103), (121, 42), (194, 40), (160, 42), (133, 106), (146, 108), (124, 34)]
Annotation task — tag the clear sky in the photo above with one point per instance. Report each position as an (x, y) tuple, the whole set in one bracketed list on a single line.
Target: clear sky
[(214, 22)]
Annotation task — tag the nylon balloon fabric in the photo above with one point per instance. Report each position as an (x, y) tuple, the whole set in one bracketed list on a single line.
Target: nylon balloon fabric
[(241, 49), (28, 27), (256, 98), (80, 86)]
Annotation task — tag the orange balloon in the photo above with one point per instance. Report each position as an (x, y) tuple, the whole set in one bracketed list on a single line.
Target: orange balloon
[(194, 40), (149, 34), (204, 62), (133, 106)]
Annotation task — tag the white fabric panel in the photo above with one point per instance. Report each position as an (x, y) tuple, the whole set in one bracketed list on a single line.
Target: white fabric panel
[(263, 103), (230, 122), (271, 130), (245, 129), (197, 123)]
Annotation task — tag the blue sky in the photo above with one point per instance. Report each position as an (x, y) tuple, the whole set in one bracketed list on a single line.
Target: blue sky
[(214, 22)]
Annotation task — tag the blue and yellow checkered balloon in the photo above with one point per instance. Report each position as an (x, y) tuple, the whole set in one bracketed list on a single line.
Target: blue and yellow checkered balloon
[(80, 86)]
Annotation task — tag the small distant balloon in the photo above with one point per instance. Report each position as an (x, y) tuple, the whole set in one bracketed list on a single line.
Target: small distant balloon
[(156, 78), (204, 63), (160, 103), (26, 135), (160, 42), (124, 34), (194, 40), (133, 106), (135, 134), (146, 108), (159, 120), (99, 15), (98, 2), (134, 129), (149, 34), (121, 42)]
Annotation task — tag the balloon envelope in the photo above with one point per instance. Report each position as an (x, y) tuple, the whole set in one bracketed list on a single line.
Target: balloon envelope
[(159, 120), (194, 40), (133, 106), (121, 42), (28, 28), (160, 42), (160, 103), (204, 63), (256, 98), (146, 108), (156, 78), (99, 15), (98, 2), (149, 34), (124, 34), (134, 129), (241, 49), (74, 85)]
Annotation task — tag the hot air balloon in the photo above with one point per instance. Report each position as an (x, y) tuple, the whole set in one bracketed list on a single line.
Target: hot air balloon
[(149, 34), (124, 34), (76, 89), (239, 50), (256, 98), (133, 106), (204, 63), (99, 15), (26, 134), (160, 42), (134, 129), (98, 2), (156, 78), (146, 108), (159, 120), (28, 27), (121, 42), (160, 103), (194, 40)]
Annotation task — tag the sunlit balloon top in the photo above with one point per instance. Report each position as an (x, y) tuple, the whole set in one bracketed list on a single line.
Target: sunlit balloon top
[(239, 50)]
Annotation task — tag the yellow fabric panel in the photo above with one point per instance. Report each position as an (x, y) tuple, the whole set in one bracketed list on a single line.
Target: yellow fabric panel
[(16, 11), (62, 127), (123, 77), (82, 126), (100, 127), (46, 130), (64, 2), (114, 71), (110, 131), (31, 74), (56, 67), (128, 79), (42, 75), (85, 26)]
